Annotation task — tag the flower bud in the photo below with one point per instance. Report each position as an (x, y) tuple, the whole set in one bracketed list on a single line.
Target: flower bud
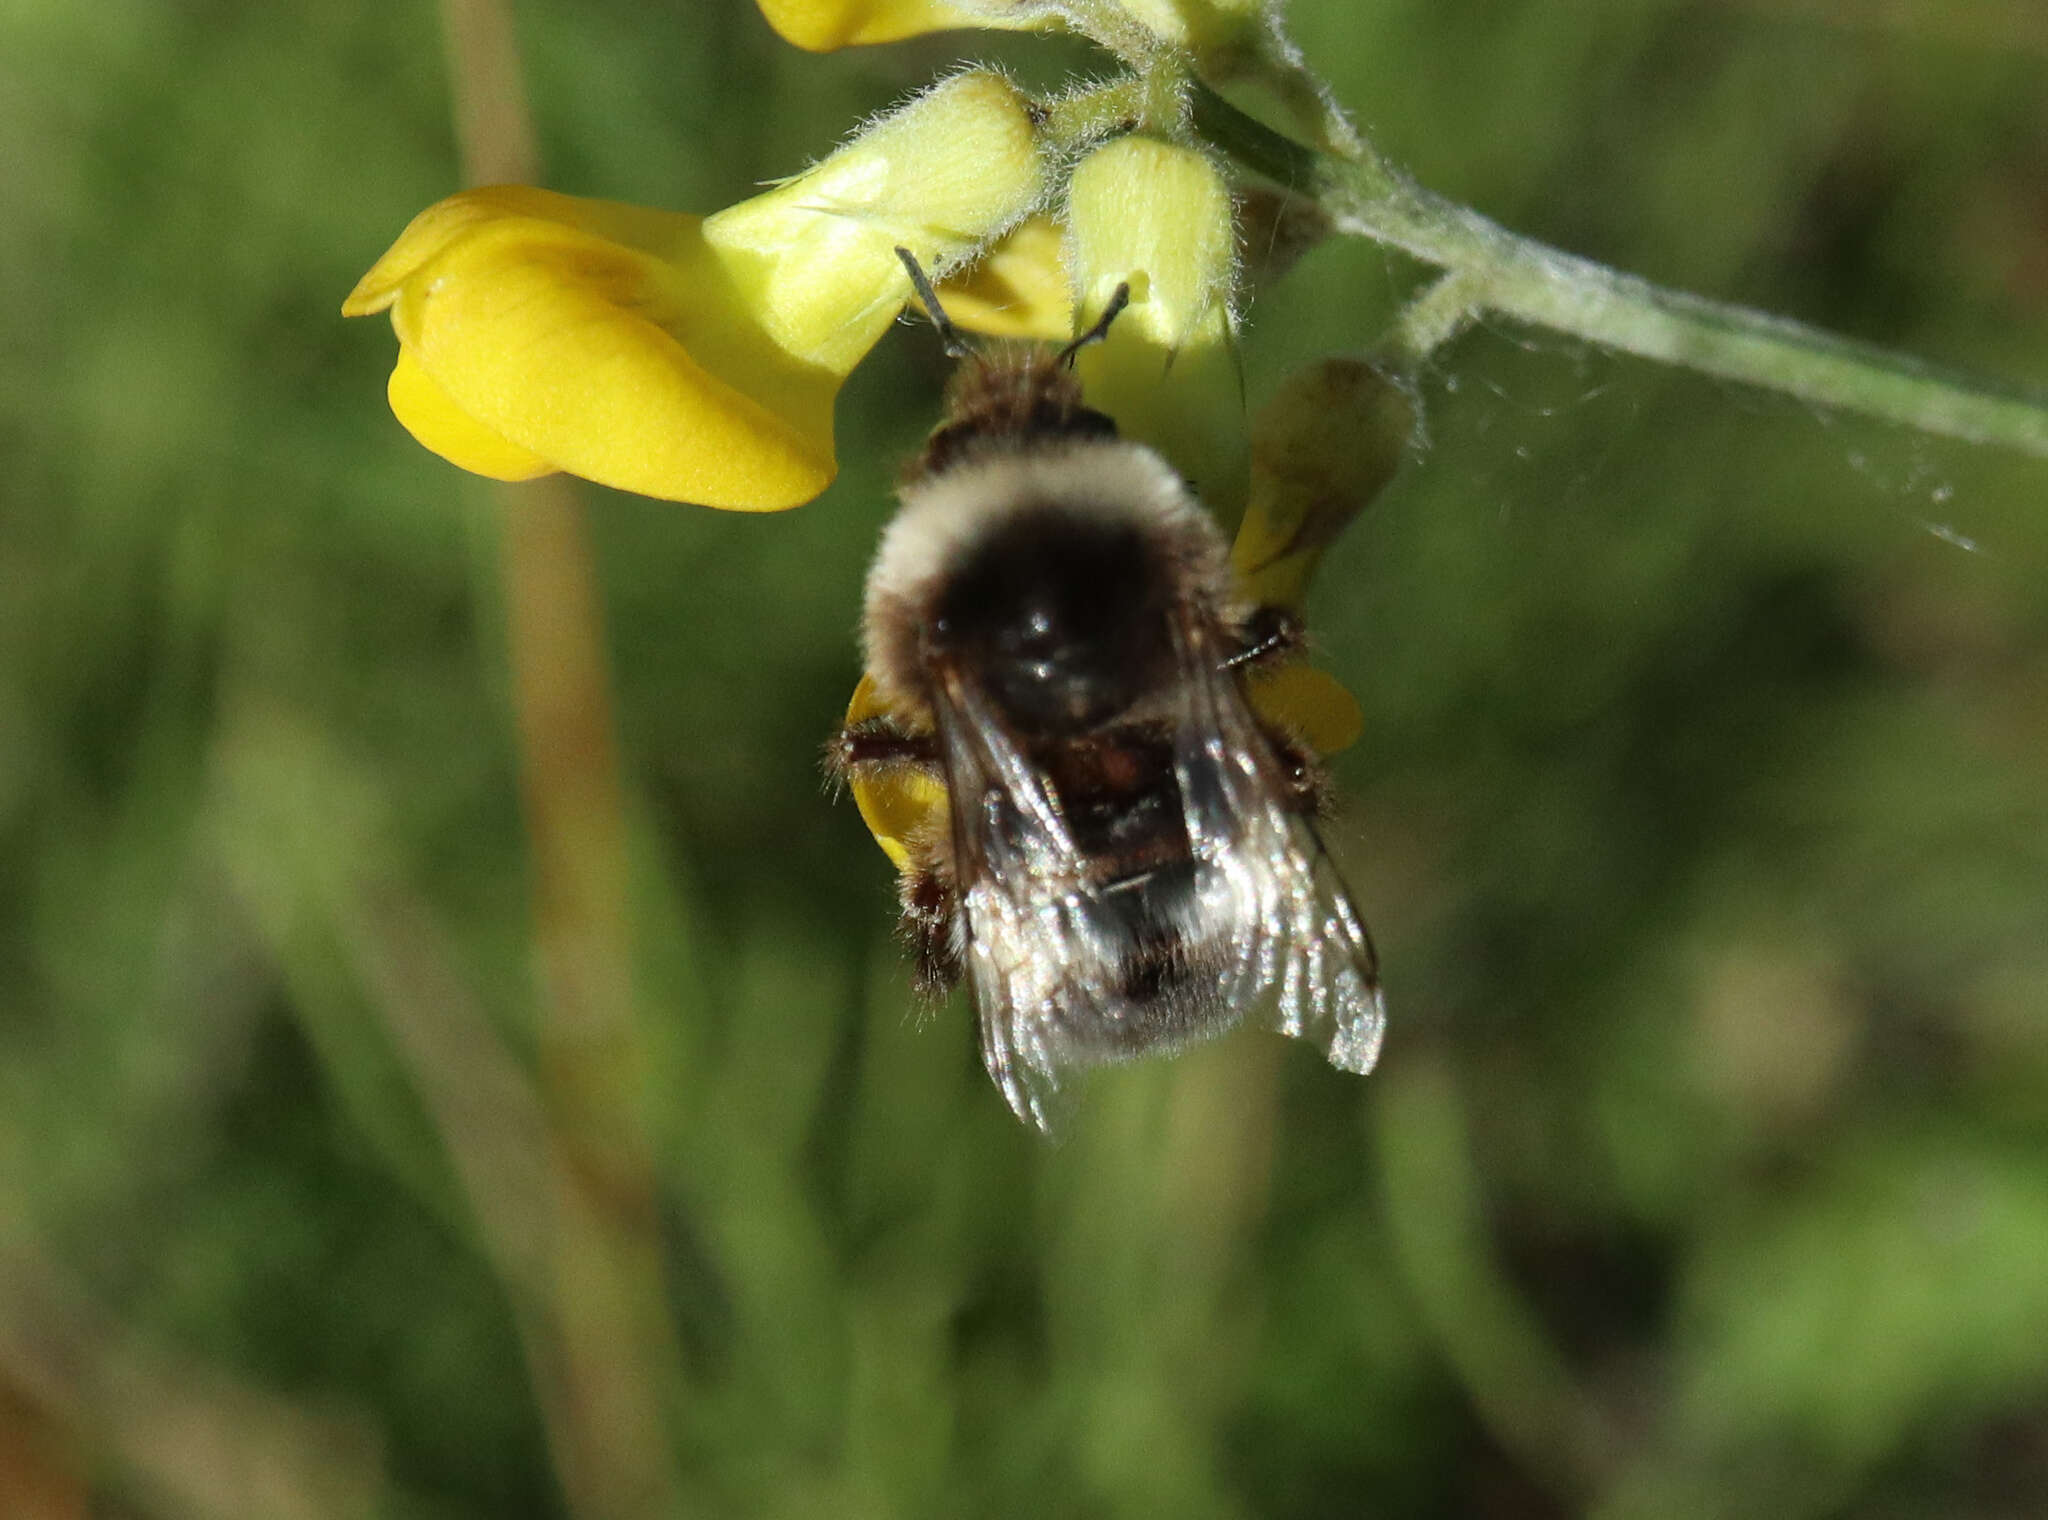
[(816, 258), (690, 358), (1156, 217)]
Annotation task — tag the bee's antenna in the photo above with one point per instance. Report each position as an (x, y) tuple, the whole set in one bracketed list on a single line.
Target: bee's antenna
[(949, 335), (1100, 330)]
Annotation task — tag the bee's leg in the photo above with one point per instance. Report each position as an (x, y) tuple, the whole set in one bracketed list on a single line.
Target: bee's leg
[(929, 912), (1269, 634), (877, 744), (925, 887)]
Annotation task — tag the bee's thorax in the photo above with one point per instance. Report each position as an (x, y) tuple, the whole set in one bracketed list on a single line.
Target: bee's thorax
[(1047, 575), (1062, 616)]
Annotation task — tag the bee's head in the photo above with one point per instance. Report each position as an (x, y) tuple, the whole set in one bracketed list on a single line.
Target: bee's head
[(1061, 618)]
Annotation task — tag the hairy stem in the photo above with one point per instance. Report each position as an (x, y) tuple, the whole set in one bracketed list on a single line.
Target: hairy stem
[(1449, 305), (1503, 273)]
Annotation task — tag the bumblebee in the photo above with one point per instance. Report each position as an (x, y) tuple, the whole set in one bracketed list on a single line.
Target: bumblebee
[(1127, 860)]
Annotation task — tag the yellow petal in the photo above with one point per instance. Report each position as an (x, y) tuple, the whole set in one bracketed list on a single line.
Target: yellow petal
[(543, 331), (431, 233), (1157, 216), (619, 366), (431, 415), (822, 25), (1307, 703), (896, 805), (1018, 289)]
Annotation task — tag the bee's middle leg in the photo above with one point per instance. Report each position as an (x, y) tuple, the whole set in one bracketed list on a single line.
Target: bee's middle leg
[(1269, 635), (876, 744)]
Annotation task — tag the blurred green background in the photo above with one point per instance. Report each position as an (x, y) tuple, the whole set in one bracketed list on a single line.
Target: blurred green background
[(1702, 816)]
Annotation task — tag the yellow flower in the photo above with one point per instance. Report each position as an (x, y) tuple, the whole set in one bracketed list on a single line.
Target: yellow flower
[(1156, 217), (690, 358), (1322, 449), (1307, 703), (1216, 31), (822, 25)]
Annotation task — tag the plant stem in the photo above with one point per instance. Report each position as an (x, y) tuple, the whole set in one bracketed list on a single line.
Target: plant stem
[(1443, 310), (601, 1348), (1503, 273), (1081, 117), (1519, 1383)]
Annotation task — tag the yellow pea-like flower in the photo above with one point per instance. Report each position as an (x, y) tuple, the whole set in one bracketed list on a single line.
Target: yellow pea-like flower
[(691, 358), (823, 25), (1156, 216), (1215, 31), (538, 332), (1326, 444)]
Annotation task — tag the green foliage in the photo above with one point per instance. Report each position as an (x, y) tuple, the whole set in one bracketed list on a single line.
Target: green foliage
[(1702, 814)]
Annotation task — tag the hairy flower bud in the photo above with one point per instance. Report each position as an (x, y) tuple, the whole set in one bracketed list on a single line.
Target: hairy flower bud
[(1157, 217)]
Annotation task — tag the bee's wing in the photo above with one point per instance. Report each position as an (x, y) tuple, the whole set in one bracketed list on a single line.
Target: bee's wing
[(1037, 935), (1044, 943), (1261, 868)]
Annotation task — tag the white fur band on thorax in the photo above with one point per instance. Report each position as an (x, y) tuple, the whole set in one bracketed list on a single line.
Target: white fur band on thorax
[(944, 514)]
